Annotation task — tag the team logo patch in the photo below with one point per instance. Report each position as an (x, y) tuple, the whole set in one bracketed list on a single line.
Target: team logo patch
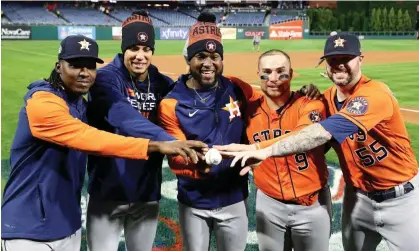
[(142, 37), (358, 106), (315, 116), (211, 46), (233, 107)]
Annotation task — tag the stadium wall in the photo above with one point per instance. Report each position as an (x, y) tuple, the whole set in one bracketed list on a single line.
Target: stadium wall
[(296, 29)]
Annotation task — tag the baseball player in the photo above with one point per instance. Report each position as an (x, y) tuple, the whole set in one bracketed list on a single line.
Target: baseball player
[(206, 106), (203, 17), (256, 42), (124, 193), (367, 131), (41, 205), (288, 212)]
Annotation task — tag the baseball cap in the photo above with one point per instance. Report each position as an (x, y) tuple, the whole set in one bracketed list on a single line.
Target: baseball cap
[(79, 46), (342, 44)]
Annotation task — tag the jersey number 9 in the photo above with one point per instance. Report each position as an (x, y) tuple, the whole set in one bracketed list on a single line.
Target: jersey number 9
[(301, 161)]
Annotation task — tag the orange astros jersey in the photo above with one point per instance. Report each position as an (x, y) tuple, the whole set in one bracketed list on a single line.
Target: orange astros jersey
[(379, 156), (295, 177)]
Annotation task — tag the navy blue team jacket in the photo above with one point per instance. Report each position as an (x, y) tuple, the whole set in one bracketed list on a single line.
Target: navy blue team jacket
[(114, 106), (214, 123), (42, 196)]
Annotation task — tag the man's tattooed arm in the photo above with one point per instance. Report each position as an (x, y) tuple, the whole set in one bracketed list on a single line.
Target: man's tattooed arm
[(308, 138)]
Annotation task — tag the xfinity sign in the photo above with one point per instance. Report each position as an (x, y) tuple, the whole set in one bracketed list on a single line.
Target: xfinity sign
[(173, 33)]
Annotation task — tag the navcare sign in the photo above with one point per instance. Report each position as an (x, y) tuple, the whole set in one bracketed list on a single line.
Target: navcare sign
[(287, 30), (15, 32), (174, 33)]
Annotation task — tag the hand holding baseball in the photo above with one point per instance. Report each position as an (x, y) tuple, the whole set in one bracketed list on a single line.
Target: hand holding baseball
[(213, 157)]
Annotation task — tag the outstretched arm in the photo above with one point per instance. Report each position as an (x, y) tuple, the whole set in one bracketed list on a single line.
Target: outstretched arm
[(308, 138), (300, 141)]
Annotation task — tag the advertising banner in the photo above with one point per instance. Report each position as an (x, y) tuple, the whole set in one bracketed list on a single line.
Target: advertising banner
[(117, 33), (228, 33), (15, 32), (88, 31), (250, 32), (174, 33), (288, 30)]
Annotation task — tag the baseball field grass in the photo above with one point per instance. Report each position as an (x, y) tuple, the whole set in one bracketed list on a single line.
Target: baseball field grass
[(26, 61)]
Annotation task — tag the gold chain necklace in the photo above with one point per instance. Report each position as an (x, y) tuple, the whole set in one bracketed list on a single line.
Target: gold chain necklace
[(203, 100), (136, 90)]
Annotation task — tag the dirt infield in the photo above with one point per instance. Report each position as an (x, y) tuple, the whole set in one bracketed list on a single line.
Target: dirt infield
[(243, 65)]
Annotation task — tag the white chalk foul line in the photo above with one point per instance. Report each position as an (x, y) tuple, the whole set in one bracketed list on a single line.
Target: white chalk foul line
[(403, 109), (409, 110)]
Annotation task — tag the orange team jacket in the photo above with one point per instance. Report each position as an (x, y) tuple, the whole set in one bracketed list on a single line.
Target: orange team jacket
[(296, 177), (379, 156)]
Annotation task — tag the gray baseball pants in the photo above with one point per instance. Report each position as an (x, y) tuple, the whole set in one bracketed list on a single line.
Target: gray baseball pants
[(107, 219), (281, 227), (366, 222), (230, 225), (70, 243)]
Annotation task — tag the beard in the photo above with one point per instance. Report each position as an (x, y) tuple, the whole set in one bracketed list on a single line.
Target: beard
[(204, 81), (339, 77)]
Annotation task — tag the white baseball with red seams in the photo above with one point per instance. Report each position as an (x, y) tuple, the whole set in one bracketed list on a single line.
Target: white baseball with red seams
[(213, 157)]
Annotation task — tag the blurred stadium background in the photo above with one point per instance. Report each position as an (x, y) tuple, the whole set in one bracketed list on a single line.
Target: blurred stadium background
[(383, 27)]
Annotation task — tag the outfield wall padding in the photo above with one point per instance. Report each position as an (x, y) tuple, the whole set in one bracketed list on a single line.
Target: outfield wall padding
[(49, 32), (104, 33), (44, 33)]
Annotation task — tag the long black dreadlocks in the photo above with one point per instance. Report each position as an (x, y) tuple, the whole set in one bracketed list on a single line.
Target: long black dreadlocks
[(55, 80)]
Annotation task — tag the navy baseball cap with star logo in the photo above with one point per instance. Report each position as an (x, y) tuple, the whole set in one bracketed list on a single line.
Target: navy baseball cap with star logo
[(342, 44), (79, 46)]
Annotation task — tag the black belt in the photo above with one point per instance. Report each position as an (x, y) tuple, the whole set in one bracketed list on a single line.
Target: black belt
[(380, 196)]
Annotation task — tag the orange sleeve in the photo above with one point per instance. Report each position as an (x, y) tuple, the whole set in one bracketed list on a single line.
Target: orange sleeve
[(249, 92), (313, 111), (50, 120), (368, 109), (169, 122)]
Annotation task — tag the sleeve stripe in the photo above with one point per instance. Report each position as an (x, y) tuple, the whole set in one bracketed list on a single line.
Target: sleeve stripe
[(353, 120)]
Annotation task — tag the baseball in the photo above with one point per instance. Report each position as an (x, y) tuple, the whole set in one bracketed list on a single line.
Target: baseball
[(213, 157)]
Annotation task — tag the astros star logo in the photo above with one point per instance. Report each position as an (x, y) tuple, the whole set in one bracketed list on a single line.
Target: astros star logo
[(339, 42), (233, 108), (315, 116), (142, 37), (211, 46), (84, 45), (358, 106)]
